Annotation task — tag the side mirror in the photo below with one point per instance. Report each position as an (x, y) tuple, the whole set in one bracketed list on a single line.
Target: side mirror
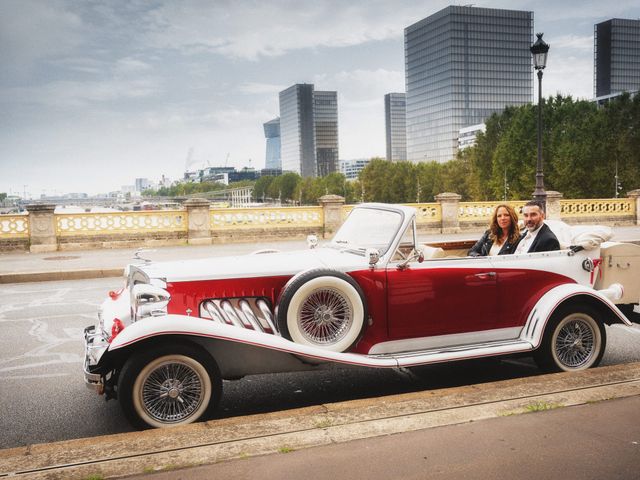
[(312, 241), (373, 255)]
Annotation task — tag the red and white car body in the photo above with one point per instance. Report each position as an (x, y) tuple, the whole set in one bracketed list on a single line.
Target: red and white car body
[(368, 298)]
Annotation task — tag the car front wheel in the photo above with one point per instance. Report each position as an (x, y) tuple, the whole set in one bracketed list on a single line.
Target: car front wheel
[(169, 386), (573, 340)]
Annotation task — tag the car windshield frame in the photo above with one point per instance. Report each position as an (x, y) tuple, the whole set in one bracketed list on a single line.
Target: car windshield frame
[(369, 227)]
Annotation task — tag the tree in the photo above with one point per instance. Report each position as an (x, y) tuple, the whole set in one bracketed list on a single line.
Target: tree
[(261, 187)]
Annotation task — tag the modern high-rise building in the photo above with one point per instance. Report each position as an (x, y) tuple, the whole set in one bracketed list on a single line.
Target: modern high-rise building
[(463, 64), (351, 168), (616, 56), (272, 134), (395, 111), (297, 135), (308, 130), (325, 115)]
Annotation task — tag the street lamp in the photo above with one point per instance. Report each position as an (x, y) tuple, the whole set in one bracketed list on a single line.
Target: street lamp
[(539, 52)]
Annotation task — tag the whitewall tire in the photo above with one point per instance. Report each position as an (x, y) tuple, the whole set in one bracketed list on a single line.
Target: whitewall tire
[(322, 308)]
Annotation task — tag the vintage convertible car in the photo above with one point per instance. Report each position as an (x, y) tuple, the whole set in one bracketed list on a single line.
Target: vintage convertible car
[(372, 297)]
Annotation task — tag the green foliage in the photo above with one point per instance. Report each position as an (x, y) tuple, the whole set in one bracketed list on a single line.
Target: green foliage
[(261, 187), (581, 146), (3, 195)]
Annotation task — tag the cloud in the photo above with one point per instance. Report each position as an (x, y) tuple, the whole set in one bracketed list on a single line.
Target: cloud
[(568, 75), (260, 88), (358, 84), (131, 65), (250, 30), (31, 30), (575, 42)]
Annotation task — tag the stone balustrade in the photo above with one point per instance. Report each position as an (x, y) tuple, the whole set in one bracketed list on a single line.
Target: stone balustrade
[(42, 230)]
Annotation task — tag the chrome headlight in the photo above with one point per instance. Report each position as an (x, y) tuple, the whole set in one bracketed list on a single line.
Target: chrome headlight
[(148, 301)]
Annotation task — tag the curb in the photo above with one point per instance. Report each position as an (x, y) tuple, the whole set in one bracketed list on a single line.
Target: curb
[(60, 275), (220, 440)]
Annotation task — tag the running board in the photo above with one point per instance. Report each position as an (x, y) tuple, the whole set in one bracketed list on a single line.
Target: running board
[(462, 352)]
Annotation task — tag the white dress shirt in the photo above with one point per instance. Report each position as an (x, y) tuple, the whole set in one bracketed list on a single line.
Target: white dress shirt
[(525, 243)]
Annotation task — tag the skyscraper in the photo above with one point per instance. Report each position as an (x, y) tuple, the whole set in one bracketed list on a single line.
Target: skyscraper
[(463, 64), (616, 56), (272, 134), (297, 135), (395, 111), (309, 130), (325, 115)]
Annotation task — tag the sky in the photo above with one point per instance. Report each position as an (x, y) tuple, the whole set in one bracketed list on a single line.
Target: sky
[(94, 94)]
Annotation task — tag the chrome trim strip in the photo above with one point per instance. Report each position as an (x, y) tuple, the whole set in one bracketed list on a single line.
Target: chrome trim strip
[(267, 315), (456, 339), (251, 313)]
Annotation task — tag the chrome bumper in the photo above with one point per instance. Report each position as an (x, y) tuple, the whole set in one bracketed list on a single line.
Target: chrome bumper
[(94, 346)]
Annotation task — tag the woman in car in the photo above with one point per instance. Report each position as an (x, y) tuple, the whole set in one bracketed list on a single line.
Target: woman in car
[(502, 236)]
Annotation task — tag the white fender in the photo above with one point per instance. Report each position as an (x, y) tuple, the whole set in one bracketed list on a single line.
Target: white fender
[(195, 326), (542, 311)]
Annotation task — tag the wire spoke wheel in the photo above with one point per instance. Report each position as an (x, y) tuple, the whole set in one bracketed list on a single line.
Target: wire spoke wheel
[(573, 340), (575, 343), (322, 308), (325, 316), (168, 385), (172, 392)]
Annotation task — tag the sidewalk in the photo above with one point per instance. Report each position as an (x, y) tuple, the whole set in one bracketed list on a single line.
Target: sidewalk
[(68, 265), (601, 442), (476, 431)]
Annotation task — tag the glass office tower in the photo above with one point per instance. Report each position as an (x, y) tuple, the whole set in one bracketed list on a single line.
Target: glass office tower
[(272, 134), (616, 56), (395, 111), (463, 64), (309, 130), (325, 114), (297, 134)]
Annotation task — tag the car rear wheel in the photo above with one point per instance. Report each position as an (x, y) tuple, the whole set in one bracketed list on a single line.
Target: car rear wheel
[(322, 308), (169, 386), (573, 340)]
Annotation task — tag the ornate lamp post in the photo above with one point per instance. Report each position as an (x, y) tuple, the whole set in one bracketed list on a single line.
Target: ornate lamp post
[(539, 52)]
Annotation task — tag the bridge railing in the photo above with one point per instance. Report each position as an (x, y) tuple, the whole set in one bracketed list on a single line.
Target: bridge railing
[(198, 223)]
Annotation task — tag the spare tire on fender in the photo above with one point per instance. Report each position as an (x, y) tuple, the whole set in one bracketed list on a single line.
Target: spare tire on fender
[(322, 308)]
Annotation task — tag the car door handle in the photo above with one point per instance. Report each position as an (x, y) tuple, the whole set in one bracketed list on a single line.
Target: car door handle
[(485, 275)]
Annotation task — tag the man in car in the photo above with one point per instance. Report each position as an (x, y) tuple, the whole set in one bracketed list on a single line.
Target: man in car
[(538, 236)]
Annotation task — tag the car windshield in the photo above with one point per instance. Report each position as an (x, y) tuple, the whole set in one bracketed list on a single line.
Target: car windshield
[(368, 228)]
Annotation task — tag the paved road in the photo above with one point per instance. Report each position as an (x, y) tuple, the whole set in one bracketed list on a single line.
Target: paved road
[(43, 396)]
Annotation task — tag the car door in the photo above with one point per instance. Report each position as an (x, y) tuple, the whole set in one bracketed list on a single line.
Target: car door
[(441, 297)]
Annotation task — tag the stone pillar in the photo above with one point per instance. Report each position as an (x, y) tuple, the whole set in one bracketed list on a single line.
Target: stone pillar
[(449, 204), (332, 210), (636, 195), (42, 228), (553, 205), (199, 221)]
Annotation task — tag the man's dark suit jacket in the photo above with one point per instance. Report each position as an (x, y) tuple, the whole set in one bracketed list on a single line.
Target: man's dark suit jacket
[(545, 240)]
